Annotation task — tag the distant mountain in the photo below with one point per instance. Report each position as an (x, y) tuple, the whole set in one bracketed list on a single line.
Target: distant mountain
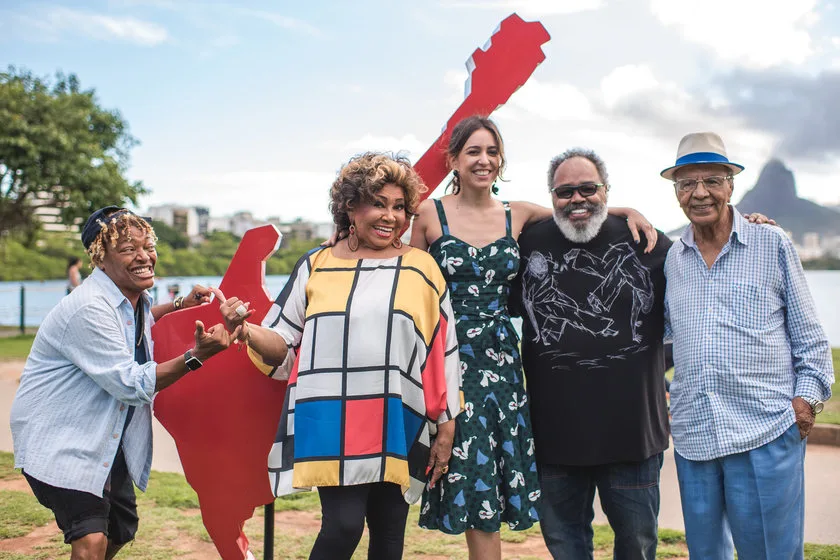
[(774, 195)]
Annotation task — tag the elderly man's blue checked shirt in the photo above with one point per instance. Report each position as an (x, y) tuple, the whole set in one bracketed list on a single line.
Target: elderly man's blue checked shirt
[(78, 383), (746, 342)]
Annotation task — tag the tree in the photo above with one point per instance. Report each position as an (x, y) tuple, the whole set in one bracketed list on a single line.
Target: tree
[(170, 235), (58, 146)]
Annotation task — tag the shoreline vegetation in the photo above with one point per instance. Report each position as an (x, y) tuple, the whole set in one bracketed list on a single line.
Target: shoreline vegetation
[(47, 260)]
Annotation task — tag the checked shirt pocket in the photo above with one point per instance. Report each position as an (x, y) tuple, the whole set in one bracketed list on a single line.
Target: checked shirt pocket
[(746, 306)]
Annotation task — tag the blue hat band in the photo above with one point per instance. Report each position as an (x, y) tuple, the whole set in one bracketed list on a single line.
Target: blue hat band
[(701, 157)]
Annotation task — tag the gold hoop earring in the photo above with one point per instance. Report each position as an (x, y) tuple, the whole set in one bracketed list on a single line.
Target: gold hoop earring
[(352, 239), (397, 243)]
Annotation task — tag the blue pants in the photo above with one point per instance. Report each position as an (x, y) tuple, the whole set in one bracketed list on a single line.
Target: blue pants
[(755, 498), (629, 497)]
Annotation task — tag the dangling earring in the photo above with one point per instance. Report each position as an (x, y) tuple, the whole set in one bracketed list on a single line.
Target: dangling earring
[(397, 243), (456, 182), (352, 239), (494, 189)]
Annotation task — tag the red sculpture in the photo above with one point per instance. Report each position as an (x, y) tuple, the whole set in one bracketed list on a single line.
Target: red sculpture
[(495, 74), (224, 416)]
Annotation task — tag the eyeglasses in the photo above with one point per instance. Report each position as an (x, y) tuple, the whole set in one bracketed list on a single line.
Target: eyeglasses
[(585, 190), (688, 185)]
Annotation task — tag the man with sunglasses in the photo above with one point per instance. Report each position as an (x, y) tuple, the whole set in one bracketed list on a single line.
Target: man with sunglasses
[(592, 302), (752, 366)]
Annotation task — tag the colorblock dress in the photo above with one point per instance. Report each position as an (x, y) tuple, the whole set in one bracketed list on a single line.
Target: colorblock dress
[(492, 474), (372, 366)]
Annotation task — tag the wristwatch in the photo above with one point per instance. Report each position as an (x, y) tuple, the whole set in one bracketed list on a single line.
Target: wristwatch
[(816, 406), (194, 363)]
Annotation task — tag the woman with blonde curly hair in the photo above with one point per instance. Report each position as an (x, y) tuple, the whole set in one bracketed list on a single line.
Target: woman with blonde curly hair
[(364, 333)]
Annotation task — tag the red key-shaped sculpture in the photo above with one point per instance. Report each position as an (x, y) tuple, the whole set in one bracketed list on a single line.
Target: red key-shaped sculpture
[(224, 416), (495, 74)]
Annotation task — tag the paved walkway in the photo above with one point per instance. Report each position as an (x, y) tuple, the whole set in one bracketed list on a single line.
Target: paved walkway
[(822, 475)]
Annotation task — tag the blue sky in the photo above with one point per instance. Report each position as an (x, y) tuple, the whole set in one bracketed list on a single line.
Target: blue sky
[(255, 105)]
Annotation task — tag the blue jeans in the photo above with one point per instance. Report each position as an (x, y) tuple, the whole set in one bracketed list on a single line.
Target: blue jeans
[(753, 500), (629, 497)]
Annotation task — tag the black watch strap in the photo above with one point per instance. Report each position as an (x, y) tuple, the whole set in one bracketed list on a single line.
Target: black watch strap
[(191, 361)]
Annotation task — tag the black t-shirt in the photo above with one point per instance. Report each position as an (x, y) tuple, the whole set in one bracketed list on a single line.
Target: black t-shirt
[(592, 322)]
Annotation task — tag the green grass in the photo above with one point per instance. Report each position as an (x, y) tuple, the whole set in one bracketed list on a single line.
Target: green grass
[(15, 347), (21, 514), (168, 516), (831, 412)]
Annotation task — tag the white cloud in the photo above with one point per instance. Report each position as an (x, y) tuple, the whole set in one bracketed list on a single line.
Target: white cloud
[(553, 101), (750, 33), (626, 81), (408, 144), (55, 21), (533, 8), (456, 80)]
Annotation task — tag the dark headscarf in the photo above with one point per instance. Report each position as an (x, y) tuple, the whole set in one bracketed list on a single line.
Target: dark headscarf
[(99, 218)]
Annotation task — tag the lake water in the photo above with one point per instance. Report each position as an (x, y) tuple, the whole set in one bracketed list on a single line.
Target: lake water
[(40, 297)]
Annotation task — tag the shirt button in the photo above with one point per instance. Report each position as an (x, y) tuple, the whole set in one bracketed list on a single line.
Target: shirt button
[(129, 323), (122, 407), (106, 464), (115, 436)]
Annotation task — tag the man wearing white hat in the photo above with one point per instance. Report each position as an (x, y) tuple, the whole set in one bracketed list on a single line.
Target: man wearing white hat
[(752, 367)]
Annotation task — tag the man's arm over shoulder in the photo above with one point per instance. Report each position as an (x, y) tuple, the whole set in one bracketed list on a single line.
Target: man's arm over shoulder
[(811, 351), (95, 343)]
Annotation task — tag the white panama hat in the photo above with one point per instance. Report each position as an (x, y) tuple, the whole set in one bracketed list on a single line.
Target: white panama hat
[(698, 148)]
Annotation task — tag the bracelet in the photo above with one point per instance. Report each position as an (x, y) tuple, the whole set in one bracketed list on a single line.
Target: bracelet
[(247, 338), (178, 302)]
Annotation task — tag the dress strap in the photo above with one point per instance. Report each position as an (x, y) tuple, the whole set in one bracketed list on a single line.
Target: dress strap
[(508, 226), (441, 216)]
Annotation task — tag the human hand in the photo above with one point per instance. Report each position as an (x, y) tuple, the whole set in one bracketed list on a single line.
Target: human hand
[(804, 416), (209, 342), (198, 295), (756, 218), (440, 452), (334, 238), (637, 223), (234, 311)]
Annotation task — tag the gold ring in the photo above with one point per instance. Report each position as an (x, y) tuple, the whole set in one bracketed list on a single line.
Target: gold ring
[(444, 469)]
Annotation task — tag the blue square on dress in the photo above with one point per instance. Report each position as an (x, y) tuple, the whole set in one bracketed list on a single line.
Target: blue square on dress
[(317, 429), (403, 427)]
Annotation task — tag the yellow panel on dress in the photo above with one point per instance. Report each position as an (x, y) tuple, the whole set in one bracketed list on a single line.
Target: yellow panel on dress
[(315, 473), (328, 290), (416, 298), (396, 471)]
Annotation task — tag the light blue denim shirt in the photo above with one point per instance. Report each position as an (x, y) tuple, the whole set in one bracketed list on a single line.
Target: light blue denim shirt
[(746, 341), (79, 380)]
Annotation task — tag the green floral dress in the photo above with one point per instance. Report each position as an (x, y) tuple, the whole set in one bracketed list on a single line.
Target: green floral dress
[(492, 473)]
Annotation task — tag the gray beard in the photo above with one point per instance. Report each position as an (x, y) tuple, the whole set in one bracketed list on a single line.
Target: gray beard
[(583, 233)]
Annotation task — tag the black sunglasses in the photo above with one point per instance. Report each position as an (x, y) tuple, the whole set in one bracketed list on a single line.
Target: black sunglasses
[(585, 190)]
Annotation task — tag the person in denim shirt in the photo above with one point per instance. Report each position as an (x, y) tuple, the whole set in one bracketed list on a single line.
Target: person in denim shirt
[(81, 420)]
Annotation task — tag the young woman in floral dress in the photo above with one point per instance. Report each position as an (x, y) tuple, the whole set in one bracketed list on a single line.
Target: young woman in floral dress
[(492, 474)]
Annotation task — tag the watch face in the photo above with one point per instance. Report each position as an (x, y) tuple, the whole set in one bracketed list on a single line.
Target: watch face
[(818, 407), (192, 362)]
